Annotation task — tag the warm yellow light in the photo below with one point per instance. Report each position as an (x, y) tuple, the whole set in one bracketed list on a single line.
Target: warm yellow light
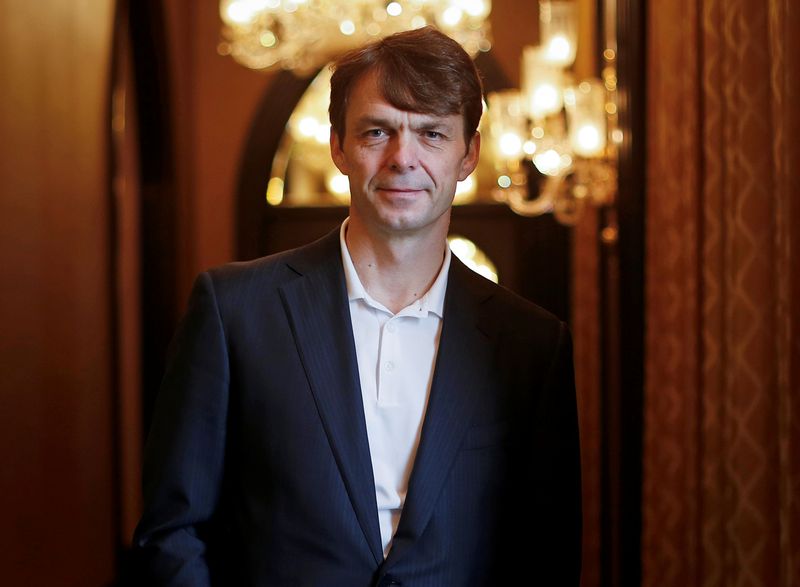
[(559, 49), (541, 83), (338, 184), (466, 186), (452, 16), (240, 12), (486, 271), (558, 31), (588, 140), (394, 9), (292, 5), (510, 145), (418, 22), (475, 8), (301, 35), (308, 126), (275, 191), (548, 162), (472, 257), (546, 99), (323, 134), (462, 248), (587, 118), (504, 181), (465, 190), (529, 147), (268, 39)]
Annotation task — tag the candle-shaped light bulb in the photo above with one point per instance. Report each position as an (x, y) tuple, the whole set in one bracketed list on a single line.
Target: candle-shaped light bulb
[(586, 117), (541, 83)]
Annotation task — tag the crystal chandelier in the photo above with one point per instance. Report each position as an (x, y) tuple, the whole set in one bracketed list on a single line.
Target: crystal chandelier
[(561, 133), (303, 35)]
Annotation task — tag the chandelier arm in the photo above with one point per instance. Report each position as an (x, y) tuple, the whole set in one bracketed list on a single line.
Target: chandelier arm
[(536, 207)]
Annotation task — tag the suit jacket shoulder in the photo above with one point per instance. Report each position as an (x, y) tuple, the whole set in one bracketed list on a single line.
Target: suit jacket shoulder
[(503, 313), (281, 267)]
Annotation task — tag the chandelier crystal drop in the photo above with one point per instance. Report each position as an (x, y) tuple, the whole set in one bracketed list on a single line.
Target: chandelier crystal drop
[(303, 35)]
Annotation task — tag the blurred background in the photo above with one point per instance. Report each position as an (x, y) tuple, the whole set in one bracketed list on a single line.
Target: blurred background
[(639, 178)]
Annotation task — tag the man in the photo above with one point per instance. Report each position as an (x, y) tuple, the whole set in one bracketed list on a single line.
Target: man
[(365, 410)]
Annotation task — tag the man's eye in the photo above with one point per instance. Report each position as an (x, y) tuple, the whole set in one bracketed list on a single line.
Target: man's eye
[(375, 133), (432, 134)]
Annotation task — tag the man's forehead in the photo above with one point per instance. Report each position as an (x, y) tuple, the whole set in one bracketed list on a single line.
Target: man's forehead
[(368, 100)]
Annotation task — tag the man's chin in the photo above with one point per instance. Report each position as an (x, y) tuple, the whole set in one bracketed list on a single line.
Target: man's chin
[(408, 223)]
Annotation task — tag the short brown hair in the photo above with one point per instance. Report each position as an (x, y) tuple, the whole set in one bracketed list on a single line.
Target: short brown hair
[(422, 70)]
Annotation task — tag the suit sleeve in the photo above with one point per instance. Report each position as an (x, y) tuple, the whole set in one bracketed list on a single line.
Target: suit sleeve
[(557, 488), (184, 454)]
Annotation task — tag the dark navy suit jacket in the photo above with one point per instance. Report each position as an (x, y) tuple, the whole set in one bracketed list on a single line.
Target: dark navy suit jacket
[(257, 468)]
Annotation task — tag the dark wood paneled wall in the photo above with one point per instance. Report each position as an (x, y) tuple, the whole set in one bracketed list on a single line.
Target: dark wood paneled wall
[(56, 350)]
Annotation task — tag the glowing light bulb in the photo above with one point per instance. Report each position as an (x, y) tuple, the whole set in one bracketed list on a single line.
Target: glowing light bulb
[(529, 147), (338, 184), (347, 27), (546, 99), (510, 144), (452, 16), (474, 8), (394, 9), (588, 140), (548, 162), (240, 12), (559, 50), (323, 134), (308, 126)]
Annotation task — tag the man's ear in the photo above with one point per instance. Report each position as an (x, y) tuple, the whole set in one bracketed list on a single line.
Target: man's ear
[(337, 154), (470, 160)]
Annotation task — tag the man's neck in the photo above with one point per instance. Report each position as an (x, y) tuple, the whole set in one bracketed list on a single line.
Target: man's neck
[(398, 270)]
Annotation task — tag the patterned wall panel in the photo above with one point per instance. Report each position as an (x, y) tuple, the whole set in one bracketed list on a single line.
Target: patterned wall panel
[(721, 442), (671, 367)]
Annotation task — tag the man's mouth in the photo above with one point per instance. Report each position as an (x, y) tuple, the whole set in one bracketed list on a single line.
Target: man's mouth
[(399, 189)]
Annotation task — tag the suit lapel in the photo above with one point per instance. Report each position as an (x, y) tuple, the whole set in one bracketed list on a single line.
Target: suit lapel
[(317, 307), (460, 375)]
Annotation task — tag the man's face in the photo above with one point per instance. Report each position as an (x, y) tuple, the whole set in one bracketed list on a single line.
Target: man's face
[(403, 166)]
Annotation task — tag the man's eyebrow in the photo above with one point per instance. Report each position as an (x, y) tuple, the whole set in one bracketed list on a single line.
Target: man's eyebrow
[(370, 121), (433, 125), (426, 123)]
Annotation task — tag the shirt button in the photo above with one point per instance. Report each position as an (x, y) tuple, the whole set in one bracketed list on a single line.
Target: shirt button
[(389, 366), (390, 327)]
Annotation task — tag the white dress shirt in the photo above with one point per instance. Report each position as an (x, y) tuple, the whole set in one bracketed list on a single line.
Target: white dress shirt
[(396, 355)]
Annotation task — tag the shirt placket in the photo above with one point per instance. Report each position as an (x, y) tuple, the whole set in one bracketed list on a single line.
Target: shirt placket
[(389, 363)]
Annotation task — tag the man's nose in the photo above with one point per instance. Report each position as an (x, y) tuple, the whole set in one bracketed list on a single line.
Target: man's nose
[(403, 152)]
